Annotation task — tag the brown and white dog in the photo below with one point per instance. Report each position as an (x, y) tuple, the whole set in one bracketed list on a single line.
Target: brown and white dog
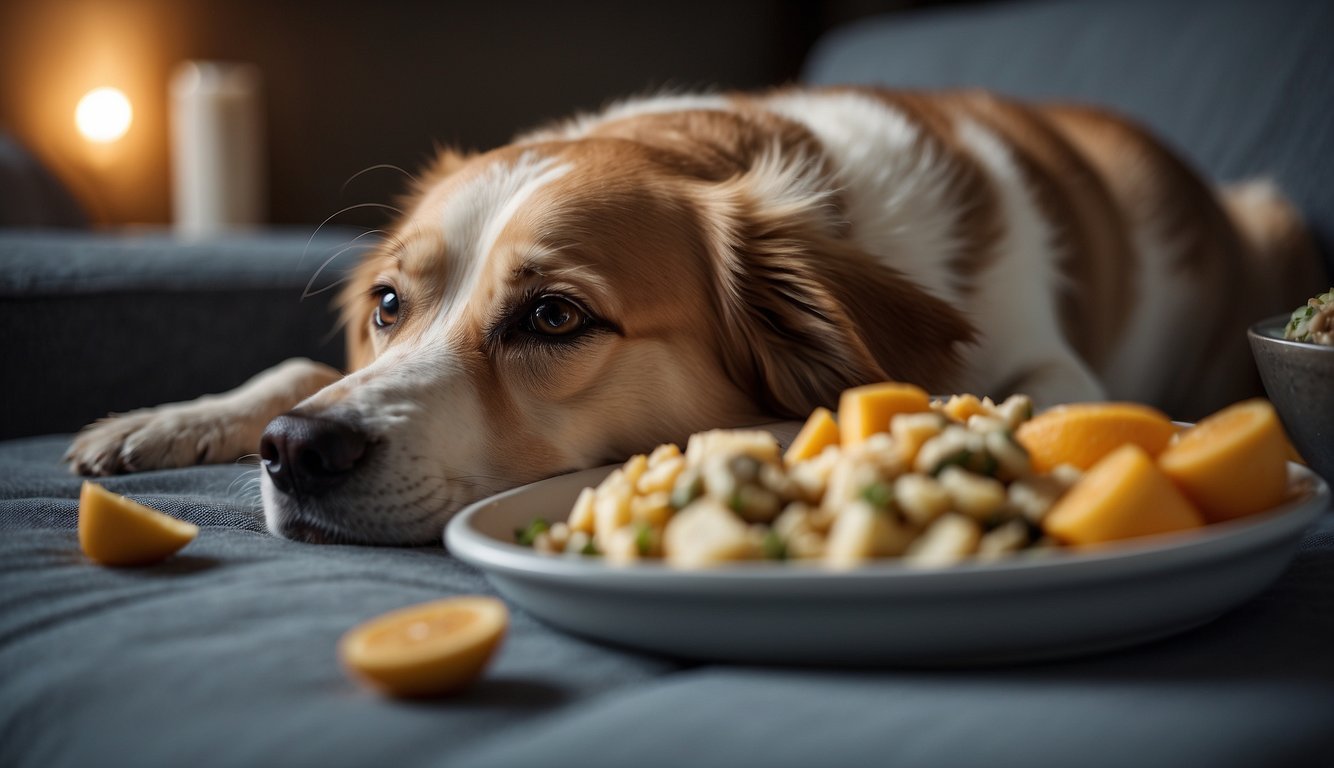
[(686, 262)]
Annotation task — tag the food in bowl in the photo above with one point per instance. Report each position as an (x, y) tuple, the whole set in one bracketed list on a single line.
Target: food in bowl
[(1313, 322), (935, 483)]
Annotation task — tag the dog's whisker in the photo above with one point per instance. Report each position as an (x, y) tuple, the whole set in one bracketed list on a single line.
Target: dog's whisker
[(307, 293), (376, 167), (340, 212), (247, 487)]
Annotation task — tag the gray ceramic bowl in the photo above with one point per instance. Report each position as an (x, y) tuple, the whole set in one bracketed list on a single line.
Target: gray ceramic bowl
[(1299, 378)]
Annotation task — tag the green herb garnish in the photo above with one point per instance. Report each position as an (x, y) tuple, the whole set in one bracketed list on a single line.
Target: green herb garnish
[(878, 495), (773, 546), (525, 536), (644, 540), (958, 459)]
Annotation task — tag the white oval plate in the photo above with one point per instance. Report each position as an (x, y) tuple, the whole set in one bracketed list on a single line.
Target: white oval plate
[(1046, 604)]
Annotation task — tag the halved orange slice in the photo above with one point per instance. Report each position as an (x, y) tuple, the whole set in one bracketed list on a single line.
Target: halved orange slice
[(867, 410), (1082, 433), (1232, 463), (429, 649), (114, 530), (819, 432), (1123, 496)]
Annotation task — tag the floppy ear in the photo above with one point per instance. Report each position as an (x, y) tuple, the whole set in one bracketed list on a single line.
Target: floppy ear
[(807, 313)]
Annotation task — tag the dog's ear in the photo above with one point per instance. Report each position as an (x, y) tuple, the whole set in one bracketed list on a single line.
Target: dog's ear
[(807, 313)]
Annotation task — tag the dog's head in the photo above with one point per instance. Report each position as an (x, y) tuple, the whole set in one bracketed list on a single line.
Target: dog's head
[(555, 305)]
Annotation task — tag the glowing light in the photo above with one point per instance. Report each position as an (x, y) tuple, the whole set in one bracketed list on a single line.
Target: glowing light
[(103, 115)]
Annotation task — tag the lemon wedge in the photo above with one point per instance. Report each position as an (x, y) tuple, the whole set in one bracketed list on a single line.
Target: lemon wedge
[(114, 530), (429, 649)]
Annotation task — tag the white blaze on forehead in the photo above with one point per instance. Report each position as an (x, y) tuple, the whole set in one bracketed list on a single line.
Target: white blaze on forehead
[(474, 216)]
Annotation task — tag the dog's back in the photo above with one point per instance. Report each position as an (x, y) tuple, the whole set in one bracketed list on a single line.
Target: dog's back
[(1092, 261)]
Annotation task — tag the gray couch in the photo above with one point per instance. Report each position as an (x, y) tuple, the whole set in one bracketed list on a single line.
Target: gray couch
[(225, 655)]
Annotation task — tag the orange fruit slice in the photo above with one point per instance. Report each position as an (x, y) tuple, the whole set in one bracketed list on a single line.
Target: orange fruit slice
[(819, 432), (1123, 496), (1083, 433), (865, 411), (1232, 463), (114, 530), (428, 649), (960, 407)]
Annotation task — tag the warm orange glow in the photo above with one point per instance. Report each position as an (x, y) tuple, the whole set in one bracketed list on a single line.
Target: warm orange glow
[(103, 115)]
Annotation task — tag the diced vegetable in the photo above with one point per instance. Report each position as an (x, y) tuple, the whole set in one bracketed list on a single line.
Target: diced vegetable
[(864, 411), (1083, 433), (819, 432), (1123, 496), (706, 533), (1232, 463)]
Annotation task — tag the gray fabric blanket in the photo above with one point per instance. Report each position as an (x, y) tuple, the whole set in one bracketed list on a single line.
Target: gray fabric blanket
[(225, 655)]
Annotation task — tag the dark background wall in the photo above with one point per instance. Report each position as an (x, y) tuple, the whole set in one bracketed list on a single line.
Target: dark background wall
[(354, 83)]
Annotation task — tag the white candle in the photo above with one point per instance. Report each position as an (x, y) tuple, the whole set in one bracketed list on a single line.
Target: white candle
[(217, 142)]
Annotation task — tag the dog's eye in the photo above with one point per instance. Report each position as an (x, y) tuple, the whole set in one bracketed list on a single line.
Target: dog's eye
[(386, 314), (555, 316)]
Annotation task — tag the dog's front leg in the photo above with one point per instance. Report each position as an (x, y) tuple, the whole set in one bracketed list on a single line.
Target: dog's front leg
[(212, 429)]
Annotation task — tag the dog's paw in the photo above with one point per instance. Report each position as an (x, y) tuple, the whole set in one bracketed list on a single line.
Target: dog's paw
[(165, 437)]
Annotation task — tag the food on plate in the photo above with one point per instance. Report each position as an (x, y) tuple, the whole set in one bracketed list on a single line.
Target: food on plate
[(1083, 433), (114, 530), (1313, 322), (1123, 496), (429, 649), (922, 485), (864, 411), (1232, 463), (933, 484), (819, 432)]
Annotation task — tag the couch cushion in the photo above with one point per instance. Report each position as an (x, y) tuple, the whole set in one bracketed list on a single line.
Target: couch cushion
[(30, 195), (225, 654), (95, 322)]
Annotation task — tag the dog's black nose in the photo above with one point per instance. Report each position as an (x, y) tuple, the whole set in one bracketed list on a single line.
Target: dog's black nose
[(306, 456)]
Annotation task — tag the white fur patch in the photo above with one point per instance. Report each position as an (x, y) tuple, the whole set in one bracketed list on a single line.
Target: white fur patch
[(474, 216), (1014, 303), (652, 105), (894, 194)]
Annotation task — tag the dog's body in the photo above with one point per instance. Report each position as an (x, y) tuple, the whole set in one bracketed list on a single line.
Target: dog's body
[(680, 263)]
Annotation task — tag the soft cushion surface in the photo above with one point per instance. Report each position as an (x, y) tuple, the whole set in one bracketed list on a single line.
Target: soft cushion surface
[(225, 655), (99, 322)]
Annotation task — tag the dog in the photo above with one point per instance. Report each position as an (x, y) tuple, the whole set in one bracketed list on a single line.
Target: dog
[(684, 262)]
